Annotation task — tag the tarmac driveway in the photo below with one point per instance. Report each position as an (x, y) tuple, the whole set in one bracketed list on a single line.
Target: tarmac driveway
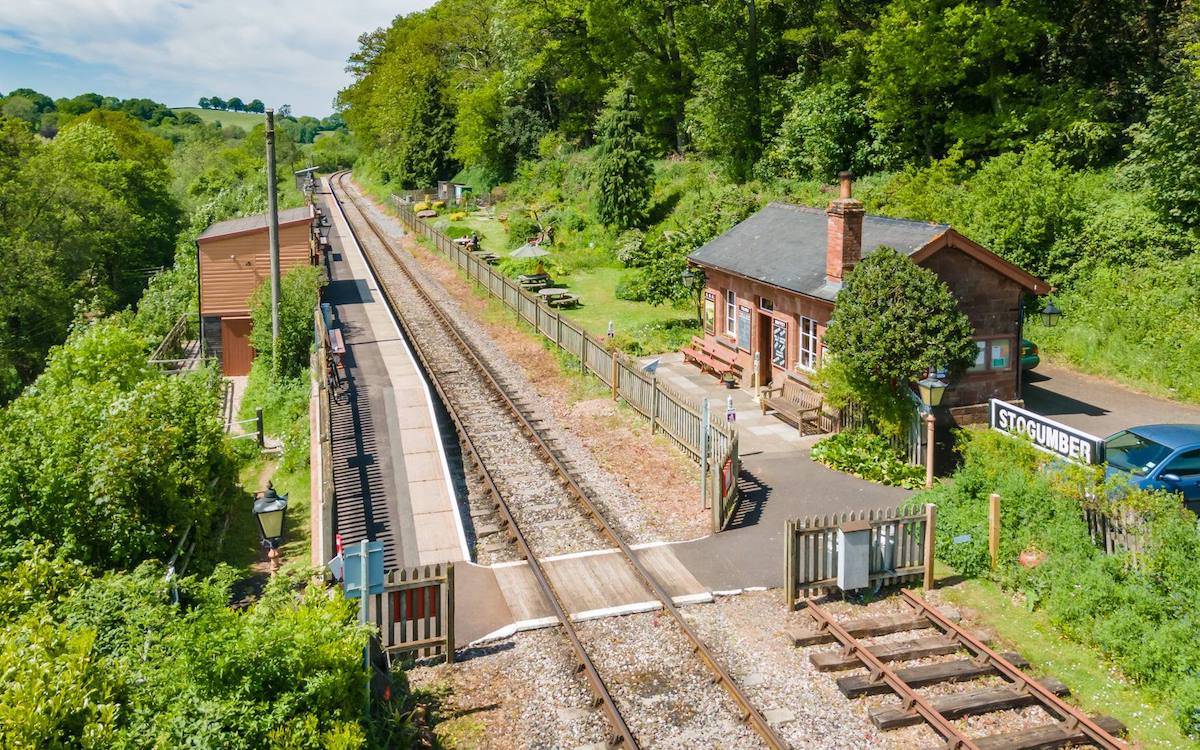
[(1098, 406)]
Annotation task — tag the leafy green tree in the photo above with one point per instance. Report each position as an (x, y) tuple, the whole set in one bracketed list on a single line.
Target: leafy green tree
[(624, 174), (1165, 157), (217, 102), (720, 114), (825, 130), (107, 458), (205, 102), (256, 105), (298, 289), (894, 321), (235, 104), (21, 108)]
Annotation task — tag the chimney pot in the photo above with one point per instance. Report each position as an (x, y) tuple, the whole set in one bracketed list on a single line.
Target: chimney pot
[(846, 178)]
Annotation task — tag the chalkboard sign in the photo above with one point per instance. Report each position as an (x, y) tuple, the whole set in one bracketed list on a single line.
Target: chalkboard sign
[(779, 342), (743, 327)]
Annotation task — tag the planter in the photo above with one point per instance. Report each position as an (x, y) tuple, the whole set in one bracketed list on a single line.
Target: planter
[(729, 380)]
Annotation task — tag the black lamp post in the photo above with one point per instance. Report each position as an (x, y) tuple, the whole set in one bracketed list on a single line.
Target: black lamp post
[(689, 279), (323, 231), (270, 510), (1050, 314)]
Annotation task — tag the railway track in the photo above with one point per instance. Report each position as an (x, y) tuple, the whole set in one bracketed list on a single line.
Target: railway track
[(546, 510), (1071, 727)]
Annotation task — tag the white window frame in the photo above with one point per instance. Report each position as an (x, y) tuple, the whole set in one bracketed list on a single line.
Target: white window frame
[(807, 345), (730, 313)]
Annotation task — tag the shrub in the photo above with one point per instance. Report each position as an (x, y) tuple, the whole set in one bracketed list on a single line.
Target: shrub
[(298, 292), (868, 456)]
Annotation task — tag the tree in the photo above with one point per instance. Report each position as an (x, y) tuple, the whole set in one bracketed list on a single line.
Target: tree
[(216, 102), (256, 106), (624, 174), (284, 111), (894, 321), (720, 114), (205, 102), (297, 299), (235, 104), (824, 131), (21, 108)]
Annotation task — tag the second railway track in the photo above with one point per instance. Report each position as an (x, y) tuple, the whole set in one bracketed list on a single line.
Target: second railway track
[(546, 510)]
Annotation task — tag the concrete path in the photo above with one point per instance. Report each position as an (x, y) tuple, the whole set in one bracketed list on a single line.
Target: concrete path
[(391, 475), (1098, 406)]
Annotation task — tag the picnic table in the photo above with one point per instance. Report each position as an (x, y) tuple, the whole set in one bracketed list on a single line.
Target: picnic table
[(533, 277), (558, 297)]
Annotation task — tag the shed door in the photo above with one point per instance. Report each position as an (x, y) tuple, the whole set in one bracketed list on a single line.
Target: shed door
[(236, 354)]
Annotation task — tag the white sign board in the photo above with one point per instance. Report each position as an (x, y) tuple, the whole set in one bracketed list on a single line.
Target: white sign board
[(1046, 434)]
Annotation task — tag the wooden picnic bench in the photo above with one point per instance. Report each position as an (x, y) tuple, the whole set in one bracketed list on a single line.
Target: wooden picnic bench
[(565, 300), (794, 404), (712, 357)]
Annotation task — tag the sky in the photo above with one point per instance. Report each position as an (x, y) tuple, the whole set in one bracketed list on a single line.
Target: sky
[(178, 51)]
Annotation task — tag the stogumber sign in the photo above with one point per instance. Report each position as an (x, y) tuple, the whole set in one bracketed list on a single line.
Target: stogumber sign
[(1046, 434)]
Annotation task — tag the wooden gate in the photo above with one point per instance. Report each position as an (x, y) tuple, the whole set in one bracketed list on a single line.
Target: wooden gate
[(901, 549), (415, 612)]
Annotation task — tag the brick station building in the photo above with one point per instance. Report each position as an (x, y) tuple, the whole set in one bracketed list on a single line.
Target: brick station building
[(234, 259), (771, 284)]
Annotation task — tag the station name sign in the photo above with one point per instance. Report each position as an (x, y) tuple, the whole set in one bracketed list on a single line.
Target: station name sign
[(1046, 434)]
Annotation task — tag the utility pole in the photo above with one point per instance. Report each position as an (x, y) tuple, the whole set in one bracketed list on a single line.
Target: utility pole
[(273, 234)]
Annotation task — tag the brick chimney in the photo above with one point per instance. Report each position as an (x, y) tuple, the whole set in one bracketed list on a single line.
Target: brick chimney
[(843, 248)]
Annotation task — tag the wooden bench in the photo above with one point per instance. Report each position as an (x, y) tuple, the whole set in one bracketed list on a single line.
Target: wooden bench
[(711, 357), (795, 404), (566, 300)]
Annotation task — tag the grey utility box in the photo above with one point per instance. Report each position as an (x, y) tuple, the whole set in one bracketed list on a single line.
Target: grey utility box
[(854, 555)]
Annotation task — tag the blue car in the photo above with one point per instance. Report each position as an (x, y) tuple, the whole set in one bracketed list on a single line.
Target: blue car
[(1158, 456)]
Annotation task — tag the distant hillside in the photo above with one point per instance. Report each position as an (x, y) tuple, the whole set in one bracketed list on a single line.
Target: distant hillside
[(245, 120)]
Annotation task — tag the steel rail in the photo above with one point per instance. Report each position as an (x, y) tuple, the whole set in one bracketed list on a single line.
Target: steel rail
[(955, 740), (749, 713), (621, 732), (1074, 718)]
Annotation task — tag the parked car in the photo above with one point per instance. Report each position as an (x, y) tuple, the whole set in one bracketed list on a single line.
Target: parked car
[(1158, 456), (1029, 355)]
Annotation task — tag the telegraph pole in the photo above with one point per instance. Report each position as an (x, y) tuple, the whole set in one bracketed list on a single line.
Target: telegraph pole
[(273, 233)]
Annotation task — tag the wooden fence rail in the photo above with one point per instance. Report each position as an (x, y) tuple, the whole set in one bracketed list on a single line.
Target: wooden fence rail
[(1117, 530), (900, 543), (415, 612), (677, 417)]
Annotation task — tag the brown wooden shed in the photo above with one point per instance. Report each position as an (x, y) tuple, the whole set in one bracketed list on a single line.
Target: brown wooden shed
[(234, 259)]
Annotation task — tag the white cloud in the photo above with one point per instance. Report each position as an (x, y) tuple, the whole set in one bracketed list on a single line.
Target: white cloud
[(281, 52)]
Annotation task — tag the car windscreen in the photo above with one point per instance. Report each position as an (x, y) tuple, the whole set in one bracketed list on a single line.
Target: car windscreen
[(1134, 453)]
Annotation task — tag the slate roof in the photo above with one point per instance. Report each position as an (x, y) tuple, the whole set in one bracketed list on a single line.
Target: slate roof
[(251, 223), (784, 245)]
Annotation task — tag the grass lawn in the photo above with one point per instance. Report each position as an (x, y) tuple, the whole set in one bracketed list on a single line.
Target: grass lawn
[(1095, 685), (246, 120), (641, 328)]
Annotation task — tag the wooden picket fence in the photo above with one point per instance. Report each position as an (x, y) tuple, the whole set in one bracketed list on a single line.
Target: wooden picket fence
[(1117, 530), (415, 612), (854, 415), (901, 549), (677, 417)]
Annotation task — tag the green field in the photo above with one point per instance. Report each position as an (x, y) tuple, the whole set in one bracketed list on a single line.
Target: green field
[(244, 120)]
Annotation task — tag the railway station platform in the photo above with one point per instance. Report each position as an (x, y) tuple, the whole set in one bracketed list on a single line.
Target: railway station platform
[(391, 476)]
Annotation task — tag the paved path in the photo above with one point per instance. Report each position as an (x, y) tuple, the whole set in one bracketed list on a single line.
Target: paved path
[(391, 475), (1097, 406)]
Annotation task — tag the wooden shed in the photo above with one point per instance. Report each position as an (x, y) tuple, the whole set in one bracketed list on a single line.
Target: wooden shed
[(234, 259)]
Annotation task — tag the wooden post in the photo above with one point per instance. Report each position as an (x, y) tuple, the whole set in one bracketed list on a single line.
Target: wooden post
[(614, 376), (449, 613), (929, 437), (789, 572), (994, 528), (930, 536), (654, 405)]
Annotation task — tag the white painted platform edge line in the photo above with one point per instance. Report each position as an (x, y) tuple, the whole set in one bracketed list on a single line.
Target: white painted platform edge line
[(755, 588), (728, 592), (512, 629), (450, 491), (702, 597), (508, 564), (621, 609)]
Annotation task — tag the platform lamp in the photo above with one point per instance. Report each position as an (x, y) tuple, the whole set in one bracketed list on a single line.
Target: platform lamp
[(689, 279), (1050, 314), (932, 388), (270, 510)]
